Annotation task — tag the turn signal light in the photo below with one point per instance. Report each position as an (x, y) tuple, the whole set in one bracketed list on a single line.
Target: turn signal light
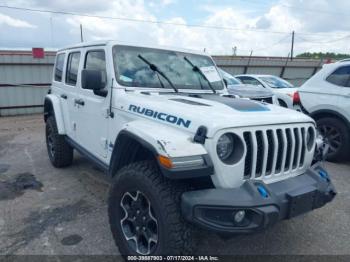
[(165, 161)]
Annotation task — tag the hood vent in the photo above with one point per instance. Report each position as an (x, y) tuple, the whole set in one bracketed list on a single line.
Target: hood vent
[(189, 102)]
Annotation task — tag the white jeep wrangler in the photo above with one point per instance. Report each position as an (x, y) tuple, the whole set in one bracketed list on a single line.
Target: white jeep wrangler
[(182, 154)]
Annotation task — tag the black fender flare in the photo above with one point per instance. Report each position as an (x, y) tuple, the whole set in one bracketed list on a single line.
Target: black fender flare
[(330, 112), (116, 161)]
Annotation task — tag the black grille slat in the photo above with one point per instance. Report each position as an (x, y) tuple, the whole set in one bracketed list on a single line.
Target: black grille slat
[(303, 147), (270, 152), (260, 153), (289, 148), (280, 150), (248, 159), (297, 145)]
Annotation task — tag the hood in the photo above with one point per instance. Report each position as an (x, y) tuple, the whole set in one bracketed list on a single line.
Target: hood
[(189, 111), (249, 91)]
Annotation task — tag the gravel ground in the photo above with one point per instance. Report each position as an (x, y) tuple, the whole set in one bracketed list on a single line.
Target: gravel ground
[(66, 212)]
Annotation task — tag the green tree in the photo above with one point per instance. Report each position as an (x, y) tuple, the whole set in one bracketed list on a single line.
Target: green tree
[(320, 55)]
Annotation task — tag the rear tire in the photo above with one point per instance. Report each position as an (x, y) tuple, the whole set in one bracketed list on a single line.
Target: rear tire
[(140, 191), (337, 135), (60, 152)]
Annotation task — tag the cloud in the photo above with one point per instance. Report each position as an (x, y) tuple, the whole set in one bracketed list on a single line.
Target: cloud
[(12, 22), (167, 2), (83, 6), (257, 24)]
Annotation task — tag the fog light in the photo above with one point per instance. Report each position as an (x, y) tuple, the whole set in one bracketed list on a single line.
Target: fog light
[(239, 216)]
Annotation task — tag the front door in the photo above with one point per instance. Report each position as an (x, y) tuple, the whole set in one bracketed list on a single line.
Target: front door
[(92, 124)]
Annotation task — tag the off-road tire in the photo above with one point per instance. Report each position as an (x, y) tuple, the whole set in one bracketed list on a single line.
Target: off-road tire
[(63, 152), (174, 234), (343, 152)]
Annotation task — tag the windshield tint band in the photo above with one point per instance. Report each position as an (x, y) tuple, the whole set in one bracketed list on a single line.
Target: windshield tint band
[(131, 71)]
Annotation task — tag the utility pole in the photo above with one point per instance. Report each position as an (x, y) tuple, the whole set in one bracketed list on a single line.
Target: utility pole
[(51, 31), (81, 33), (247, 66), (292, 48)]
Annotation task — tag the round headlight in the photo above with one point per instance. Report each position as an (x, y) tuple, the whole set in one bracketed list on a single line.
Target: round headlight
[(310, 138), (224, 147)]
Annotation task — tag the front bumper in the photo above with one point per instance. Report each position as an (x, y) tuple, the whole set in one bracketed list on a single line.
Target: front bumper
[(263, 204)]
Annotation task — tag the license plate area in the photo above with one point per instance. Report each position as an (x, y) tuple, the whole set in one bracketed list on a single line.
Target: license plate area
[(301, 201)]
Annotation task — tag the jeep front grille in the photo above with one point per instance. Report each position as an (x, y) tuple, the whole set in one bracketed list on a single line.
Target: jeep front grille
[(274, 151)]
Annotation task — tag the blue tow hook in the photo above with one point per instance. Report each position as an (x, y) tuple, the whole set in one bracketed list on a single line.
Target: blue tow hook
[(323, 174), (263, 191)]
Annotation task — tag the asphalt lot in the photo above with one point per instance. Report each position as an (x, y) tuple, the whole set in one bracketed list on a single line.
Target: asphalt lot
[(66, 211)]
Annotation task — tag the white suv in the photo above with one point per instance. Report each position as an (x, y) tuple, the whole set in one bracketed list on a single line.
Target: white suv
[(180, 152), (326, 97)]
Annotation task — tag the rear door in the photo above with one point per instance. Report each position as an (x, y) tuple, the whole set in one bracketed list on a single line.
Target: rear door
[(339, 83), (71, 92), (93, 114), (58, 87)]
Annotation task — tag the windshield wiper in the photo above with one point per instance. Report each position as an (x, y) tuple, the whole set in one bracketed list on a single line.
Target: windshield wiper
[(197, 70), (154, 68)]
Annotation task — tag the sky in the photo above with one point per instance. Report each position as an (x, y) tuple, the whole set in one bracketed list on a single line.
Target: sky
[(259, 26)]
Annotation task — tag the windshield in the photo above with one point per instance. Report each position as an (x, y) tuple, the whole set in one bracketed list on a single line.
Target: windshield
[(231, 80), (134, 72), (276, 82)]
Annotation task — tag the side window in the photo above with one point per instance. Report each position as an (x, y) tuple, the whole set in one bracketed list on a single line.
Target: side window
[(59, 67), (96, 60), (249, 81), (340, 77), (72, 68)]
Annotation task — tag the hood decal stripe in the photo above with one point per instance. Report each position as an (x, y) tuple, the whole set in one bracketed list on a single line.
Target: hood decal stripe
[(243, 105)]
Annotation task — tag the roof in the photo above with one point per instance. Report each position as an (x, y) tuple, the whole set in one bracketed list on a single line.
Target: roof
[(114, 42)]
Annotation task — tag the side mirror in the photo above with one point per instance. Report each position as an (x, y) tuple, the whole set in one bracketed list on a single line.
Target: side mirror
[(92, 80), (225, 82)]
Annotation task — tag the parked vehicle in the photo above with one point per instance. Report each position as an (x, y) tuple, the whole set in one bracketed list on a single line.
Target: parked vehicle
[(283, 90), (326, 97), (236, 87), (179, 153)]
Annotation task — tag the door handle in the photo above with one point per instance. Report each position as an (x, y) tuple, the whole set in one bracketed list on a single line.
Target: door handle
[(64, 96), (79, 102)]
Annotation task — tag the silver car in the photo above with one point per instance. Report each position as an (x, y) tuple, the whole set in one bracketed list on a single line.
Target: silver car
[(236, 87)]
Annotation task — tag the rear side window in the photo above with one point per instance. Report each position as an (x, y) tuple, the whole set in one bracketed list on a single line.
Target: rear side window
[(59, 67), (72, 68), (340, 77), (249, 81), (96, 60)]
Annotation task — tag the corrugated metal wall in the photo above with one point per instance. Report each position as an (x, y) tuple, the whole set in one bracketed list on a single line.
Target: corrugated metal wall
[(24, 80), (296, 71)]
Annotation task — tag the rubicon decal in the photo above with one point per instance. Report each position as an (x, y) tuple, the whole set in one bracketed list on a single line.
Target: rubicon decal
[(160, 115)]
